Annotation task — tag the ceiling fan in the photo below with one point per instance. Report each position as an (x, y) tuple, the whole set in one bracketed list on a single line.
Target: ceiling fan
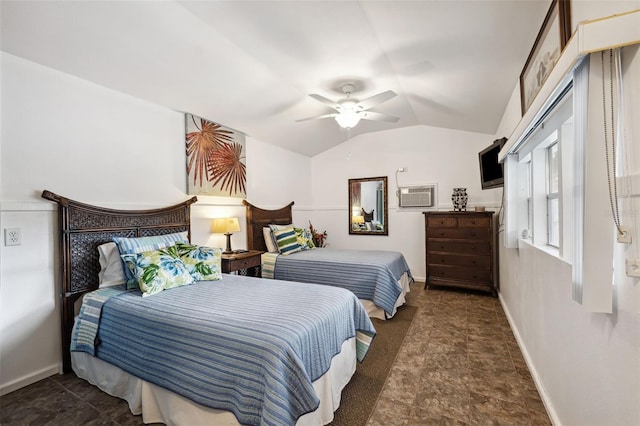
[(349, 111)]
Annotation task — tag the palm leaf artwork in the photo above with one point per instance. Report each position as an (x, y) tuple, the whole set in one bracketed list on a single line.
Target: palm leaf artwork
[(214, 158), (227, 168), (201, 143)]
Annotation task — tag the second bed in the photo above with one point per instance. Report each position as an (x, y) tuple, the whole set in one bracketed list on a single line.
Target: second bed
[(379, 278)]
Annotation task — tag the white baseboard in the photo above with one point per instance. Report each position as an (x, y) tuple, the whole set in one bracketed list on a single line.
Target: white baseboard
[(536, 377), (25, 381)]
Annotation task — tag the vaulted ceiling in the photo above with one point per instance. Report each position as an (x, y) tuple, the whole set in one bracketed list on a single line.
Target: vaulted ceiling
[(250, 65)]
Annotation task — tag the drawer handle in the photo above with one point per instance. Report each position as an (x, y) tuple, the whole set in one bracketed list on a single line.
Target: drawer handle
[(473, 234), (442, 234), (473, 222)]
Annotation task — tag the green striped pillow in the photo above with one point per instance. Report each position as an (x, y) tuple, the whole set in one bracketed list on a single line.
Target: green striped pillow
[(287, 241)]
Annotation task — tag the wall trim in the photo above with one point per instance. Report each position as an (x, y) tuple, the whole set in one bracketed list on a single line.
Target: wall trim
[(21, 206), (30, 379), (546, 400)]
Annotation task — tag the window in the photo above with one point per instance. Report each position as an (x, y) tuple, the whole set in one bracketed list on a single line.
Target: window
[(584, 232), (553, 202), (544, 183)]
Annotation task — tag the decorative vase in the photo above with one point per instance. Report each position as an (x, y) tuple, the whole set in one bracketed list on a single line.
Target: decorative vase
[(459, 199)]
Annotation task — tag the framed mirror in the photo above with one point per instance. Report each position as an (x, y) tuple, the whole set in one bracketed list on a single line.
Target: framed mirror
[(368, 206)]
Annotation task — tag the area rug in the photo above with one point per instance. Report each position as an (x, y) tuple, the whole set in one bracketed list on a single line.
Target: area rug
[(361, 393)]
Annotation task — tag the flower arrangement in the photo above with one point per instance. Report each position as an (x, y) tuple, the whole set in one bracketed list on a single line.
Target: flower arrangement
[(318, 238)]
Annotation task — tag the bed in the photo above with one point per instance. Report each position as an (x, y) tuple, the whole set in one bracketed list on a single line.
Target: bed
[(379, 278), (177, 357)]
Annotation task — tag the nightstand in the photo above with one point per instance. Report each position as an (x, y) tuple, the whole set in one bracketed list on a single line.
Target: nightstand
[(247, 263)]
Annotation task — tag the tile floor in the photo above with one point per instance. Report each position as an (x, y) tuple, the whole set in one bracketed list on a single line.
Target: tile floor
[(459, 365)]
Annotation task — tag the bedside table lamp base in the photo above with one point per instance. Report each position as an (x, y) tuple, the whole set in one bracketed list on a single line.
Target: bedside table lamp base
[(228, 249), (226, 226)]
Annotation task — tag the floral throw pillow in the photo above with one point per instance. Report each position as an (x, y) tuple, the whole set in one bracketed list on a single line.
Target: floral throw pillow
[(142, 244), (305, 239), (157, 270), (203, 263)]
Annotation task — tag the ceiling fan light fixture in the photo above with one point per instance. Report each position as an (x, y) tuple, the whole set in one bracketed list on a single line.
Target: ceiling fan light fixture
[(349, 111), (348, 119)]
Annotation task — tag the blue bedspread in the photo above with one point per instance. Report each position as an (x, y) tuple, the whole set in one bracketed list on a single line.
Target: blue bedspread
[(369, 274), (241, 344)]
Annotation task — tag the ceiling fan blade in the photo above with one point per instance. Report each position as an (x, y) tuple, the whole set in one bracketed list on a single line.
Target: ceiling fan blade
[(318, 117), (324, 100), (376, 99), (376, 116)]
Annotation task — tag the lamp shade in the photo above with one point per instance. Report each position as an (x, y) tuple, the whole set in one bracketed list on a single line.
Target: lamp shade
[(348, 119), (349, 114), (358, 219), (225, 225)]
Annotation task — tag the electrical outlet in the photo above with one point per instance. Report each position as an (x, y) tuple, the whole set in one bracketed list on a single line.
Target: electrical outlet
[(632, 267), (625, 236), (12, 237)]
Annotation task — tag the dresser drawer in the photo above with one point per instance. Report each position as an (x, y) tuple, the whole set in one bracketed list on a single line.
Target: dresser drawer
[(460, 273), (459, 247), (460, 233), (474, 222), (482, 262), (442, 222), (247, 262), (459, 250)]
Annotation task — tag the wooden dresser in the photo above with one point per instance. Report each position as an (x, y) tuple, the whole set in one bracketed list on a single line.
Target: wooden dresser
[(459, 250)]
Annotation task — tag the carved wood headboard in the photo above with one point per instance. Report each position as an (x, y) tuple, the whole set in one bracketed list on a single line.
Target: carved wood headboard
[(258, 218), (83, 228)]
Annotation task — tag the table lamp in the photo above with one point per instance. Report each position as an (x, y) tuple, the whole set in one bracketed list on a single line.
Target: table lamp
[(226, 226)]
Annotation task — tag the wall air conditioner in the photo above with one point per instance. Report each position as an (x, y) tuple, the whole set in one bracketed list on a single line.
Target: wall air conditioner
[(416, 196)]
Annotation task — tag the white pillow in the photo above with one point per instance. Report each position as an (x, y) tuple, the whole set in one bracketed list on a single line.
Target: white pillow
[(111, 272), (268, 240)]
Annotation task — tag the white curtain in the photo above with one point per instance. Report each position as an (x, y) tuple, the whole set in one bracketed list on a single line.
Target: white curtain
[(510, 216), (580, 113)]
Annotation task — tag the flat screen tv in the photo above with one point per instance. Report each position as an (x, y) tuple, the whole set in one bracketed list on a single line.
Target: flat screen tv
[(491, 171)]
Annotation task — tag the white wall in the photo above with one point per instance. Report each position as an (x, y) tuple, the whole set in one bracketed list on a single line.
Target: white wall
[(448, 158), (275, 177), (95, 145), (587, 365)]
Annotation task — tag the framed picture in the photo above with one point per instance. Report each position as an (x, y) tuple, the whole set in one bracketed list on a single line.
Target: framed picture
[(216, 160), (553, 36)]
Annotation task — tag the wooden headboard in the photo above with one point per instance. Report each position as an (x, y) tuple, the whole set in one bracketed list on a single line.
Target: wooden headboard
[(83, 228), (258, 218)]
